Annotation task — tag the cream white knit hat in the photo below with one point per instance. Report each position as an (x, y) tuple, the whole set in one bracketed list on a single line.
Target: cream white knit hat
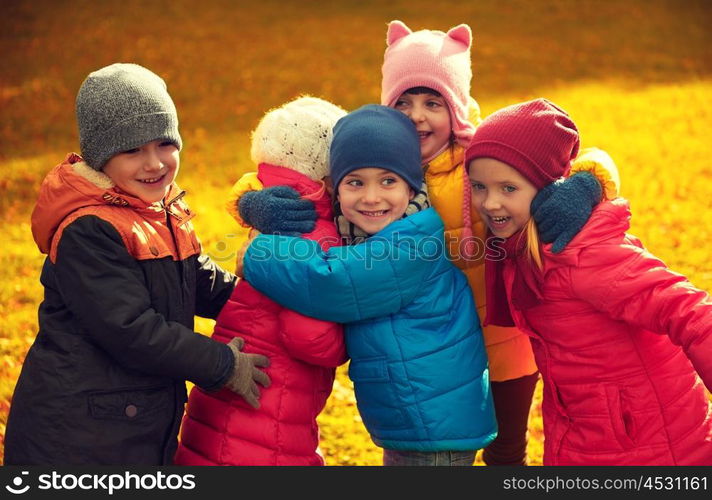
[(297, 136)]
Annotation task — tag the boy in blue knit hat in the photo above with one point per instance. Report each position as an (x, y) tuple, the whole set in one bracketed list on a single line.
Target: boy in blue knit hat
[(418, 361)]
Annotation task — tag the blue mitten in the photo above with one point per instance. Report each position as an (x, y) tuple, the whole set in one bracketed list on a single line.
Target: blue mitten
[(277, 210), (562, 208)]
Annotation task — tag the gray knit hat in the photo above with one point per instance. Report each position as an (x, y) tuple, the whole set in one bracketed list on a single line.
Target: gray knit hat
[(120, 107)]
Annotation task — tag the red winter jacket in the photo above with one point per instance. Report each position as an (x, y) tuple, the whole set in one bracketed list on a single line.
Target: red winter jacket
[(618, 338), (220, 428)]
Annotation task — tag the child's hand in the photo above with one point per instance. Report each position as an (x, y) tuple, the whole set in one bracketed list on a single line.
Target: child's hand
[(245, 374), (240, 264), (561, 209), (277, 210)]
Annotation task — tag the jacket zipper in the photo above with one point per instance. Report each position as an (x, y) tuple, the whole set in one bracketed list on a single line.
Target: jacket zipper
[(167, 208), (181, 261)]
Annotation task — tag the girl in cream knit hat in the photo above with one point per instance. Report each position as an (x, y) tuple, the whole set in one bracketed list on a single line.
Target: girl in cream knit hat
[(291, 149)]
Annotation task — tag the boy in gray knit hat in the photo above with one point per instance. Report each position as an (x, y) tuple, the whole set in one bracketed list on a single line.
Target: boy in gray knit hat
[(104, 381), (121, 107)]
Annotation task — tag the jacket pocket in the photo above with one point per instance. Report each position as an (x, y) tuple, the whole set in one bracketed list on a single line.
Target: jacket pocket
[(130, 404), (563, 425), (621, 417), (376, 396)]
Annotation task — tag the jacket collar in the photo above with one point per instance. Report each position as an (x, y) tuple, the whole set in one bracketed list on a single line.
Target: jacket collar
[(73, 185), (315, 191), (446, 161)]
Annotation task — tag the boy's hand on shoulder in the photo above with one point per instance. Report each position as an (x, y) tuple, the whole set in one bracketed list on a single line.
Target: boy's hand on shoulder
[(246, 375), (562, 208), (277, 210)]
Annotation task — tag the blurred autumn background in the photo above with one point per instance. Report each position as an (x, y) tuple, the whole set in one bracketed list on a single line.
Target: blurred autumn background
[(636, 75)]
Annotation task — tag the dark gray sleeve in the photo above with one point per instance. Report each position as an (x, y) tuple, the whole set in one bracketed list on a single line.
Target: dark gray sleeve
[(214, 286), (104, 288)]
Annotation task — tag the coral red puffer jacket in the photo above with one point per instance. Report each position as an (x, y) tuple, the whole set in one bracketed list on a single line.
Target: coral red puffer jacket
[(220, 428), (620, 341)]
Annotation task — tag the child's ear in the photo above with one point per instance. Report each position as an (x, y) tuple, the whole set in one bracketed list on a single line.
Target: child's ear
[(412, 194), (396, 30), (329, 185), (462, 34)]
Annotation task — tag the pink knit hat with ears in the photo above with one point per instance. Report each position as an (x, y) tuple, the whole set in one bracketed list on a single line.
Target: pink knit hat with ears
[(440, 61)]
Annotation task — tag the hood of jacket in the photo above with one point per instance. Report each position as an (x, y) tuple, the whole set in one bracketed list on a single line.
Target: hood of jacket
[(272, 175), (73, 185)]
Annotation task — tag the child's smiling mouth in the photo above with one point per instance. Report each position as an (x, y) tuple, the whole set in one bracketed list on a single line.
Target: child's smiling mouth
[(373, 213), (152, 180), (498, 222), (424, 134)]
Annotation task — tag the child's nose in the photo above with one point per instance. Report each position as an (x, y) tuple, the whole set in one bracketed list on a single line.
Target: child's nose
[(491, 202), (371, 195), (153, 160), (417, 114)]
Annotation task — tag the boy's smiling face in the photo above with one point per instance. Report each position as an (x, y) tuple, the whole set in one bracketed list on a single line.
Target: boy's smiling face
[(501, 195), (371, 198), (431, 116), (145, 172)]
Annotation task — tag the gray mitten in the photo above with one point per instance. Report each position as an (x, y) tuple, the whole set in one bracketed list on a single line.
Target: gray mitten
[(245, 374)]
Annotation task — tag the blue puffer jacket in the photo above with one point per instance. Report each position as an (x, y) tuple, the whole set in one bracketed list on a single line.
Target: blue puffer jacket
[(418, 359)]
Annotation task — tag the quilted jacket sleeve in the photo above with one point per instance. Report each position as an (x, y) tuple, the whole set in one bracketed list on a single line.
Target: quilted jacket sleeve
[(248, 182), (311, 340), (105, 290), (634, 286), (214, 286), (343, 284), (601, 165)]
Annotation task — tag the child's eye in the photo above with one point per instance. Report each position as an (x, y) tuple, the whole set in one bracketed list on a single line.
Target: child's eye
[(509, 189), (354, 183), (387, 181), (477, 186), (434, 104), (165, 144), (401, 103), (130, 151)]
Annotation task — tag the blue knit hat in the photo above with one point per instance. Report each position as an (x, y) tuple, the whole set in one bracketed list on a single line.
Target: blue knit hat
[(376, 136)]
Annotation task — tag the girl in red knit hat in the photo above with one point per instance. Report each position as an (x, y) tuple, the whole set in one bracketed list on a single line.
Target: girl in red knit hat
[(621, 341)]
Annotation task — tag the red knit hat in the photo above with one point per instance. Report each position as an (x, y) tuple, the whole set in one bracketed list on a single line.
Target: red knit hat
[(537, 138)]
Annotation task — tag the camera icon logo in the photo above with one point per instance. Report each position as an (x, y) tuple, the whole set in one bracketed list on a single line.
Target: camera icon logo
[(18, 489)]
